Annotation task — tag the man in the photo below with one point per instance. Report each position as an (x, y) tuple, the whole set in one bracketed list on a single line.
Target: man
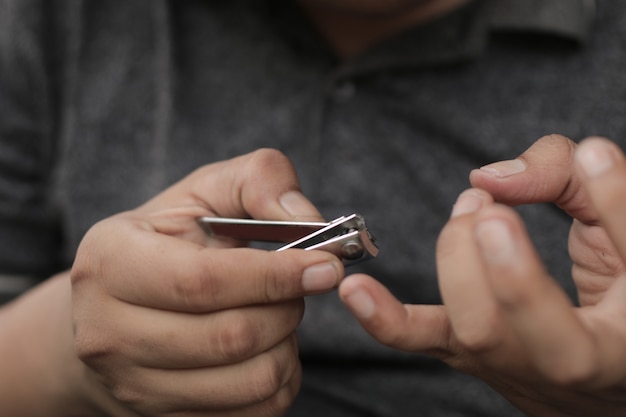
[(113, 102)]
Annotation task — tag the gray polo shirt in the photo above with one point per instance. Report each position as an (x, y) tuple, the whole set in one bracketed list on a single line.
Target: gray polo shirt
[(108, 102)]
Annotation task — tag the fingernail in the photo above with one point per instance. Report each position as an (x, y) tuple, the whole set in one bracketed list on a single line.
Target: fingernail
[(320, 277), (595, 158), (297, 205), (468, 201), (495, 241), (504, 169), (361, 304)]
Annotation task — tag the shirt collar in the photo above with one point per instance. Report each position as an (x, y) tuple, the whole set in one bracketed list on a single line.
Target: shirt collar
[(458, 36), (466, 32), (566, 18)]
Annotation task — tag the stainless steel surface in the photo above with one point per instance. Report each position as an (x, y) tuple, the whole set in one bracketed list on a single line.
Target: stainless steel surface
[(347, 237)]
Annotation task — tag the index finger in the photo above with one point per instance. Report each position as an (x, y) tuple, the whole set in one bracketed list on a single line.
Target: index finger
[(533, 305), (140, 266), (262, 185), (412, 328), (604, 179)]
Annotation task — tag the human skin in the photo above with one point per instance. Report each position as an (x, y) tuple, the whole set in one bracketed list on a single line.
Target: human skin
[(504, 319), (161, 320), (352, 26)]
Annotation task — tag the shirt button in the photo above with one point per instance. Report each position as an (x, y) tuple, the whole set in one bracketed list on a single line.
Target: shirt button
[(344, 91)]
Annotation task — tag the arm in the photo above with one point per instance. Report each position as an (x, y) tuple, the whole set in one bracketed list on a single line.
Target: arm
[(504, 319), (155, 319), (40, 374)]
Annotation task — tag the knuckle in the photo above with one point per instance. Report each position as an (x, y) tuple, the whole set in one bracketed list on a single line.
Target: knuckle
[(272, 286), (479, 338), (278, 281), (263, 164), (90, 347), (268, 379), (130, 395), (572, 373), (267, 161), (280, 403), (387, 334), (387, 338), (101, 354), (87, 261), (517, 296), (268, 158), (279, 368), (385, 331), (590, 251), (197, 287), (81, 269), (238, 340), (556, 143), (83, 264)]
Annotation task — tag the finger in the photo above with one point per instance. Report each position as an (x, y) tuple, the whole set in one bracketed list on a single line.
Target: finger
[(411, 328), (252, 383), (603, 167), (171, 340), (535, 308), (595, 262), (544, 173), (262, 184), (466, 292), (153, 270)]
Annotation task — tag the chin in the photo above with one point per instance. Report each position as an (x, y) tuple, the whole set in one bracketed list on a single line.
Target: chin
[(367, 7)]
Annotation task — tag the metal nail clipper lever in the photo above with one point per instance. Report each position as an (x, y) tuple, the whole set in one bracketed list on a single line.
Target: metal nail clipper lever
[(346, 237)]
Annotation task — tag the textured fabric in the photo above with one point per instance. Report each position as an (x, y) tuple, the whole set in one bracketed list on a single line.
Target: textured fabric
[(105, 103), (558, 17)]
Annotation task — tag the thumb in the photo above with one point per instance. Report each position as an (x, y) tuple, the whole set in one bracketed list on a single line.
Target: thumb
[(543, 173)]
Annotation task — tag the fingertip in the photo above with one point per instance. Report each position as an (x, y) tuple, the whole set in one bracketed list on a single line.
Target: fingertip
[(475, 176), (355, 295), (501, 235), (470, 201), (542, 173), (500, 178), (320, 277), (504, 169), (352, 281), (594, 138), (514, 268), (497, 177), (596, 156), (300, 272), (298, 207)]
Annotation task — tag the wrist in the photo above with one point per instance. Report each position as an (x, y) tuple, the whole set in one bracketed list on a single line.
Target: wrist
[(41, 375)]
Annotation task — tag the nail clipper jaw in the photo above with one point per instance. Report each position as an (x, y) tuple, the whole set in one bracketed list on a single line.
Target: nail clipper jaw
[(347, 237)]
